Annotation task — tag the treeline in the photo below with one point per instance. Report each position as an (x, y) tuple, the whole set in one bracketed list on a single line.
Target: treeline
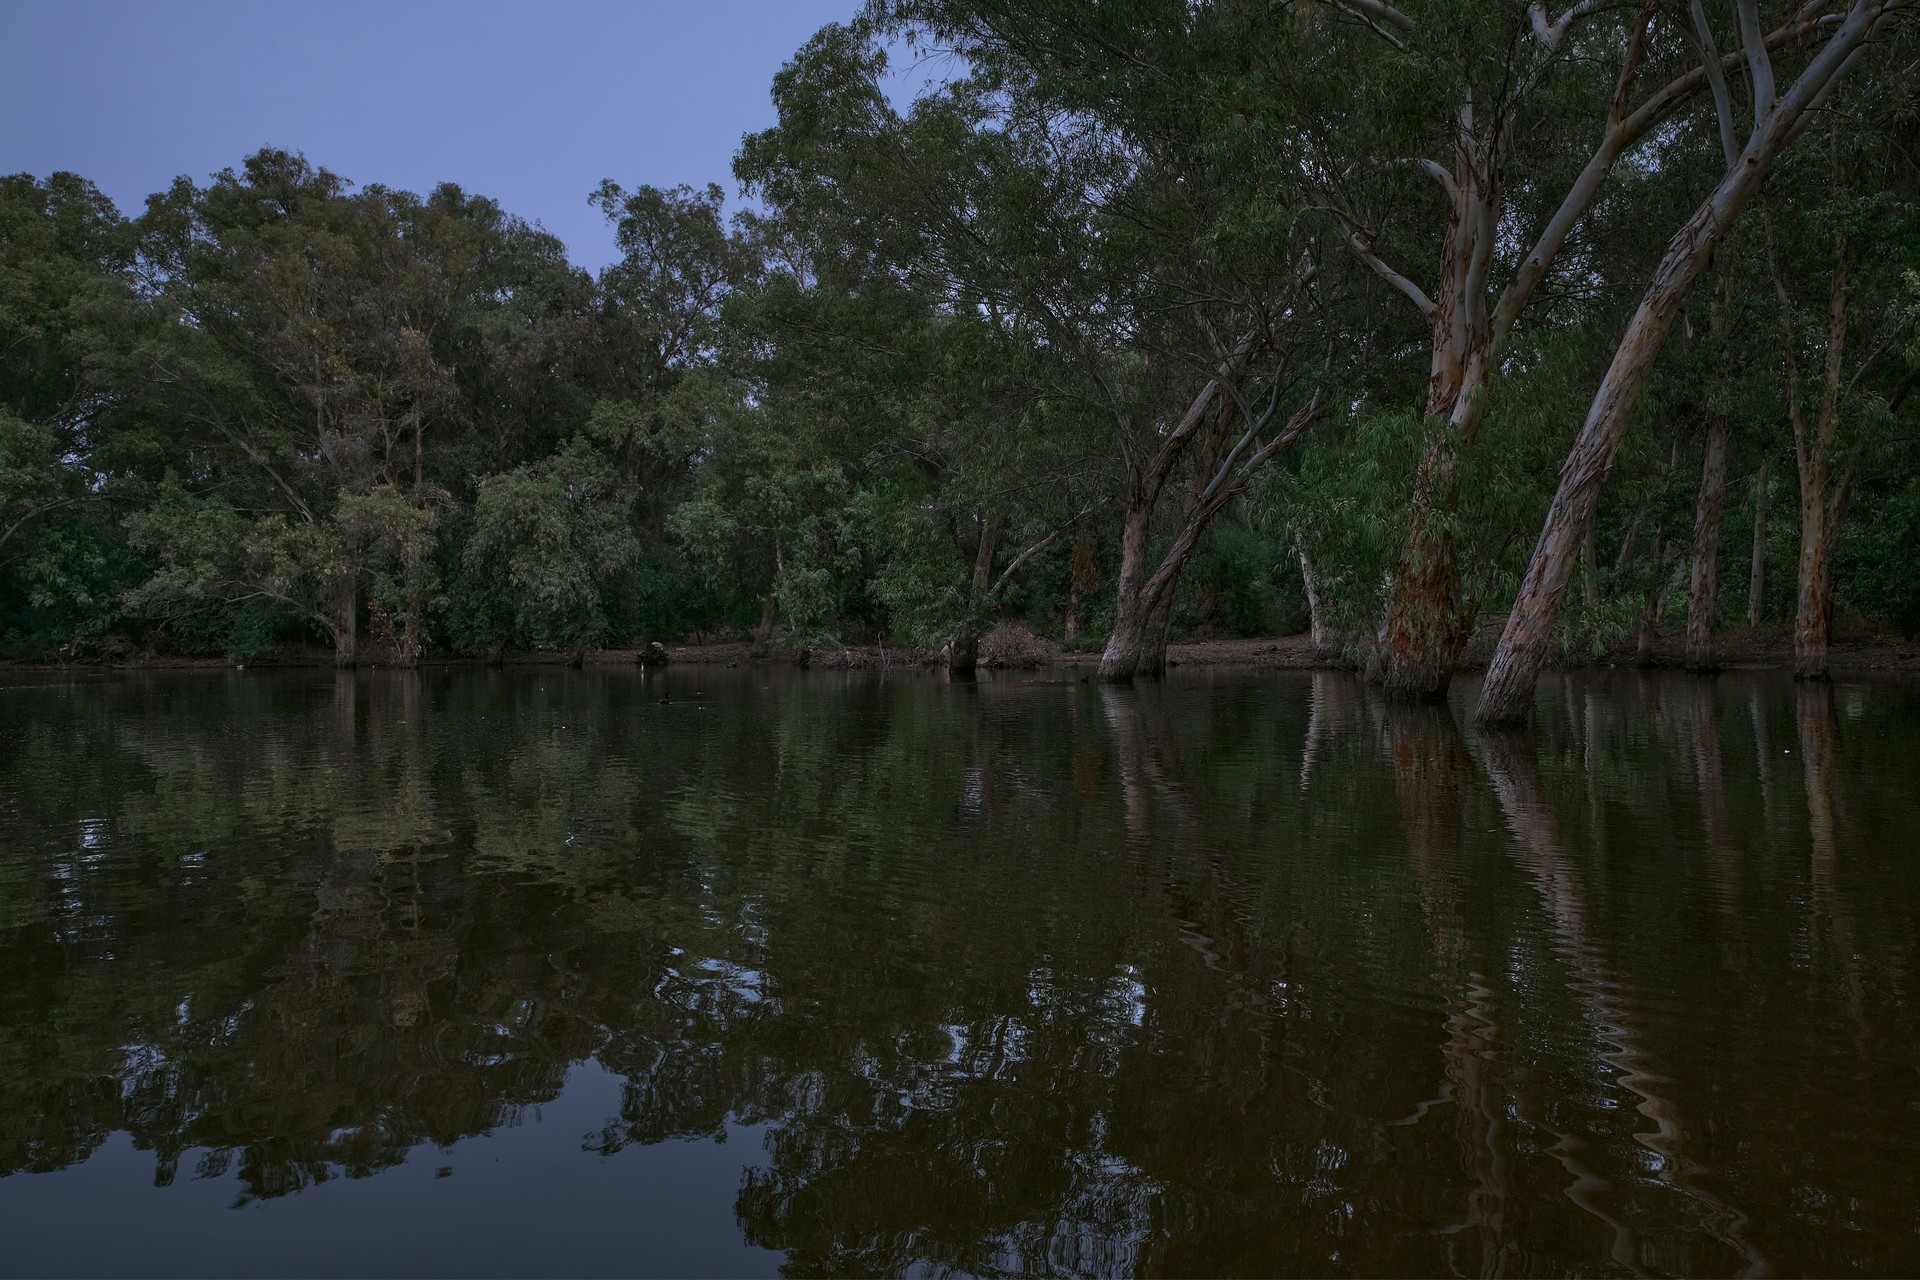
[(1147, 317)]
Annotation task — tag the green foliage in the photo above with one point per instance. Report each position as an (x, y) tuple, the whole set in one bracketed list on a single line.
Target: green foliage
[(934, 373), (547, 541)]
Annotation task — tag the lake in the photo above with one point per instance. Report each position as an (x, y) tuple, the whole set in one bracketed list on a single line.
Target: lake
[(709, 971)]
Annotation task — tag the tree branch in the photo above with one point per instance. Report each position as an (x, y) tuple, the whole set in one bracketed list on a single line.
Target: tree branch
[(1759, 65), (40, 510), (1613, 144), (1550, 33), (1038, 547), (1716, 81), (1414, 292)]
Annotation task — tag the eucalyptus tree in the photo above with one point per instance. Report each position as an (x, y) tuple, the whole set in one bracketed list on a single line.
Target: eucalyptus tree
[(658, 338), (1850, 251), (921, 258), (1189, 325), (304, 345), (64, 249), (1778, 117), (1517, 115)]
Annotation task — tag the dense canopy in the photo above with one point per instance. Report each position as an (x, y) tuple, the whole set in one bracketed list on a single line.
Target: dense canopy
[(1422, 325)]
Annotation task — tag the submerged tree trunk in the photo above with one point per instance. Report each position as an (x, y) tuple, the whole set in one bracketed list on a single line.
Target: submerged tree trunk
[(1821, 515), (1703, 591), (1426, 624), (1822, 498), (1324, 645), (346, 629), (1132, 649), (1507, 697), (1814, 600), (1756, 575), (963, 652), (1143, 598), (763, 633)]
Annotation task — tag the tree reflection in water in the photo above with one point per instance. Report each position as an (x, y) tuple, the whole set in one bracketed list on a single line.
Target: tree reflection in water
[(1224, 975)]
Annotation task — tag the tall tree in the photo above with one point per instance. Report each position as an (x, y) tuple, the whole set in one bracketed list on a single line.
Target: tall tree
[(1777, 120)]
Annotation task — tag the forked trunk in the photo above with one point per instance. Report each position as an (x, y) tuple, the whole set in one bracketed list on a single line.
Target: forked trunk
[(1138, 645), (963, 652), (1704, 580)]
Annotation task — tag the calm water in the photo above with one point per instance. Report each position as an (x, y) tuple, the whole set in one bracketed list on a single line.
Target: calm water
[(529, 972)]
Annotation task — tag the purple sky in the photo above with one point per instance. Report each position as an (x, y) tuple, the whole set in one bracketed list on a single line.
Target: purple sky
[(530, 103)]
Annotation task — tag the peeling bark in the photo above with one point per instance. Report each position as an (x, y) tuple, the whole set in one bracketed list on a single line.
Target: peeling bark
[(1507, 697), (1324, 645)]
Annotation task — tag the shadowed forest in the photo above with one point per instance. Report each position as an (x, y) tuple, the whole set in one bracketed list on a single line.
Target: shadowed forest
[(1418, 326)]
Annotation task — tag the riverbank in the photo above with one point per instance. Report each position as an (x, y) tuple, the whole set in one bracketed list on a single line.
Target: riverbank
[(1014, 648)]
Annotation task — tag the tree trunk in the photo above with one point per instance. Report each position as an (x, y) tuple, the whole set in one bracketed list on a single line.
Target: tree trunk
[(1507, 697), (1590, 569), (346, 629), (1324, 646), (963, 653), (763, 634), (1650, 606), (1704, 586), (1822, 501), (1082, 577), (1138, 644), (1813, 613), (1756, 576), (1126, 650), (1425, 626), (1143, 613)]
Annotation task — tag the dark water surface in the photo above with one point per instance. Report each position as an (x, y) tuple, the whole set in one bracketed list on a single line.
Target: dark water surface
[(482, 973)]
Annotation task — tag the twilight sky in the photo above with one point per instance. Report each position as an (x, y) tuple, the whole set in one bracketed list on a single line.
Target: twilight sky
[(531, 103)]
